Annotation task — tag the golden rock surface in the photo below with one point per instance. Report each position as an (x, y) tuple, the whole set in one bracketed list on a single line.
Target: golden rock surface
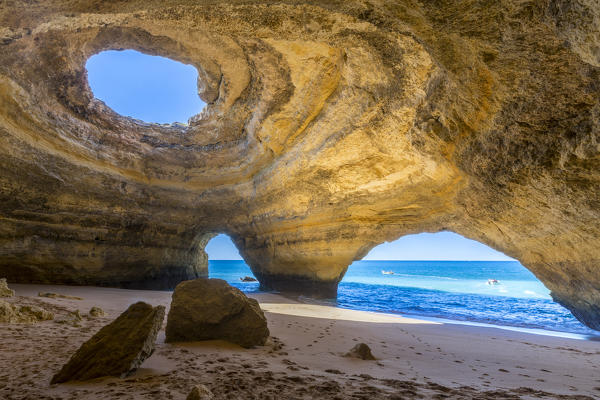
[(330, 127)]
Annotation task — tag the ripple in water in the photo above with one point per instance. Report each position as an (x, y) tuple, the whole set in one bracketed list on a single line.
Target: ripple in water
[(455, 290)]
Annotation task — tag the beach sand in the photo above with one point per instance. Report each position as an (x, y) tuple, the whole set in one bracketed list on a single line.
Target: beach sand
[(304, 359)]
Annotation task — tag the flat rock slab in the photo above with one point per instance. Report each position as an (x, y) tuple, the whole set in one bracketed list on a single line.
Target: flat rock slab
[(119, 348), (208, 309), (58, 296)]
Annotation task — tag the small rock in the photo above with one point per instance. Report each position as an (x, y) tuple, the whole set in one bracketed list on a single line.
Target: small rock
[(96, 312), (361, 351), (247, 279), (208, 309), (15, 314), (334, 371), (58, 296), (200, 392), (117, 349), (5, 291), (72, 318)]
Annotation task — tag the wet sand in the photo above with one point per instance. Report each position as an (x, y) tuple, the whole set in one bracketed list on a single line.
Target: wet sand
[(304, 360)]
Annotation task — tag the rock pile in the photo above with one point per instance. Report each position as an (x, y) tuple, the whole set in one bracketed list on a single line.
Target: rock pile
[(26, 314)]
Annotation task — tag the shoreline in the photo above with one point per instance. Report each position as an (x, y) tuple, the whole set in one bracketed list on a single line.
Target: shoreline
[(306, 300), (415, 357), (517, 302), (522, 329)]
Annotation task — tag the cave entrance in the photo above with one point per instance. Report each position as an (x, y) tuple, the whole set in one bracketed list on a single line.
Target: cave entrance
[(149, 88), (225, 262), (444, 275)]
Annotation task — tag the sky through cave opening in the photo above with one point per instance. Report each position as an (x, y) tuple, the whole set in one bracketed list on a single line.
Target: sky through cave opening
[(149, 88)]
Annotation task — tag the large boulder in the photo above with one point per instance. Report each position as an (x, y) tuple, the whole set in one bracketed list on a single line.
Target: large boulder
[(205, 309), (5, 291), (119, 348)]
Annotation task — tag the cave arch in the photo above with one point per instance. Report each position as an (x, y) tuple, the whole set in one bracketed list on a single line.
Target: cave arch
[(225, 262), (318, 142)]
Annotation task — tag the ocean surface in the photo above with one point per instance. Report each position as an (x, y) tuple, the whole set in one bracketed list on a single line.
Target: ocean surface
[(453, 290)]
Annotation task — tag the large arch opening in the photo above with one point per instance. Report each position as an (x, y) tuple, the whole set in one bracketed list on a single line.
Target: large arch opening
[(149, 88), (433, 275), (225, 262), (445, 275)]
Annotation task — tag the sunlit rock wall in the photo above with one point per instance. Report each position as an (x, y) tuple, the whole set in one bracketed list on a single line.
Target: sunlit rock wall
[(330, 127)]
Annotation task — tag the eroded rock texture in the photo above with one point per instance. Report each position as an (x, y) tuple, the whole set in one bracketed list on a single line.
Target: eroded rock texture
[(119, 348), (11, 313), (209, 309), (331, 127)]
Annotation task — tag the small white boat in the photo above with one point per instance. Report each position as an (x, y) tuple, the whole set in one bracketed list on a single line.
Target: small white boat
[(493, 282), (387, 272)]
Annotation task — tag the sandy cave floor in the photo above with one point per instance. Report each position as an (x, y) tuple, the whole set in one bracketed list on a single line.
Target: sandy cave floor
[(416, 359)]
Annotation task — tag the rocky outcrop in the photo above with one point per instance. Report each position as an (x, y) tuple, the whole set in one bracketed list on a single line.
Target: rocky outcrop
[(330, 127), (5, 291), (22, 314), (206, 309), (119, 348)]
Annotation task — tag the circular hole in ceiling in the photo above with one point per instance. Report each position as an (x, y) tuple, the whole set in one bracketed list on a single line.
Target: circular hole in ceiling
[(149, 88)]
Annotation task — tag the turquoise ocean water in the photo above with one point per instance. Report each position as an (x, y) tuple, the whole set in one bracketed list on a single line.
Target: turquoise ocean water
[(454, 290)]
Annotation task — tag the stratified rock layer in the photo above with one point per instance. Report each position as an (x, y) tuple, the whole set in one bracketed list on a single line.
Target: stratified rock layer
[(205, 309), (330, 127), (119, 348)]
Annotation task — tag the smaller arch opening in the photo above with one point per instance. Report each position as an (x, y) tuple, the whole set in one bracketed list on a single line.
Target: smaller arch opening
[(225, 262), (149, 88)]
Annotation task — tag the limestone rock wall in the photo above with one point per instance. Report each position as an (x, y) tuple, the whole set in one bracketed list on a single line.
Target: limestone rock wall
[(331, 127)]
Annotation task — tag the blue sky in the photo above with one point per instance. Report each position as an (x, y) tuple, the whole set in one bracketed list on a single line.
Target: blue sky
[(150, 88), (156, 89), (424, 246)]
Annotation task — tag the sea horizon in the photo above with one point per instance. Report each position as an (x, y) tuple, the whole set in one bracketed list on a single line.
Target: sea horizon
[(453, 290)]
